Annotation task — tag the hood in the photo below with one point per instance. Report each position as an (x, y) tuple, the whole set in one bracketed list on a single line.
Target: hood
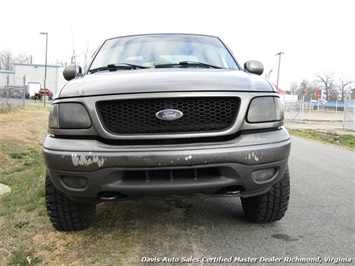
[(163, 80)]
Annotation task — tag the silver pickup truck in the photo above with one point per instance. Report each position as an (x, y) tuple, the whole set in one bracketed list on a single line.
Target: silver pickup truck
[(165, 115)]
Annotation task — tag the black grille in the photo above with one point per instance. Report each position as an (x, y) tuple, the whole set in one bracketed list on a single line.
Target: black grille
[(171, 175), (137, 116)]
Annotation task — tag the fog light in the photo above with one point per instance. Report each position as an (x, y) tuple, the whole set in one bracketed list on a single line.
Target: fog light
[(75, 181), (264, 175)]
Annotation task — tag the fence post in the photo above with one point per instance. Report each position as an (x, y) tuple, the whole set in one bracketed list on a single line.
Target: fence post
[(24, 97), (349, 115)]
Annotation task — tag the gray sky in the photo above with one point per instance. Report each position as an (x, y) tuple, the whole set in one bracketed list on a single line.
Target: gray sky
[(316, 36)]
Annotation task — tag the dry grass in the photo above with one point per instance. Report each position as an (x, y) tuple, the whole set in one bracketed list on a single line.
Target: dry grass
[(21, 130), (121, 234), (26, 234)]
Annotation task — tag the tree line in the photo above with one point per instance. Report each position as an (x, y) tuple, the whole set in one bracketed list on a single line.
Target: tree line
[(333, 88), (7, 59)]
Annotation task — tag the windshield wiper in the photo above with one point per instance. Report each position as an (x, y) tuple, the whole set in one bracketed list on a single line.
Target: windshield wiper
[(114, 67), (188, 63), (195, 63)]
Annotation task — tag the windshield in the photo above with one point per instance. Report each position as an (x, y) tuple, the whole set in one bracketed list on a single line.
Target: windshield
[(149, 51)]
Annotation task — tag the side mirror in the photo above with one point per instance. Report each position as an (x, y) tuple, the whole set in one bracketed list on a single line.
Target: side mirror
[(254, 67), (71, 72)]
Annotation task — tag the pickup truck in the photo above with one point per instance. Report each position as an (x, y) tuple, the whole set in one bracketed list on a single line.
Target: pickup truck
[(160, 116)]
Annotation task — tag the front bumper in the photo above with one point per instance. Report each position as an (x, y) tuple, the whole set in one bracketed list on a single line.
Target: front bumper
[(119, 172)]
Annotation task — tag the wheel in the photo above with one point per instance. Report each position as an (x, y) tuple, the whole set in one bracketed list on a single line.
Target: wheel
[(272, 205), (65, 214)]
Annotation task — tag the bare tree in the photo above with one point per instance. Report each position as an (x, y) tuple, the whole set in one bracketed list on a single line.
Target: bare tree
[(325, 81), (352, 93), (293, 88), (344, 89), (61, 62), (6, 60), (23, 59), (306, 89), (333, 92)]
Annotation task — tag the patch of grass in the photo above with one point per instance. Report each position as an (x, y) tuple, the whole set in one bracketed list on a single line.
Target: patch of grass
[(348, 140), (24, 258), (27, 184), (27, 236), (343, 140), (23, 170), (17, 155)]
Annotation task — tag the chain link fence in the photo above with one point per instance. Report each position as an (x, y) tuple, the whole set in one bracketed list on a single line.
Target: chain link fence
[(342, 112), (12, 97), (294, 111)]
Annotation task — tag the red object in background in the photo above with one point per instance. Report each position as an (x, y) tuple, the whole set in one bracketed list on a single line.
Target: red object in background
[(282, 92), (319, 94), (48, 92)]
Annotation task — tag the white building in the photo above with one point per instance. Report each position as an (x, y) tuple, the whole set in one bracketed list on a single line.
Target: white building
[(23, 74)]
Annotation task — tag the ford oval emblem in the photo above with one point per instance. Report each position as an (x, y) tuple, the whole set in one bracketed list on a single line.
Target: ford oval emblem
[(169, 114)]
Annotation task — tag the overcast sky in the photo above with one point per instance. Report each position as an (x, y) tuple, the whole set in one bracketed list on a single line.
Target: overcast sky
[(315, 36)]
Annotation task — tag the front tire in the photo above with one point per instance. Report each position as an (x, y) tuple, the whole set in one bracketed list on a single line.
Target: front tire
[(270, 206), (65, 214)]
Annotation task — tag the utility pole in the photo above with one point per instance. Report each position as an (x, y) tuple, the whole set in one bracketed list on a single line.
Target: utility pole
[(278, 70), (24, 89), (45, 69), (268, 76)]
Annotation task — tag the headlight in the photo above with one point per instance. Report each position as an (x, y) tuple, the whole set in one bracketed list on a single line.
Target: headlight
[(69, 116), (265, 109), (53, 117)]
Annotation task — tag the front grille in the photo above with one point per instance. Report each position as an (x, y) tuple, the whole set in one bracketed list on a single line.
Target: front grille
[(137, 116)]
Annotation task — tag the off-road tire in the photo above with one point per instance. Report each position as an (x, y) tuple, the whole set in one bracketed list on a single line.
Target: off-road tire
[(271, 206), (65, 214)]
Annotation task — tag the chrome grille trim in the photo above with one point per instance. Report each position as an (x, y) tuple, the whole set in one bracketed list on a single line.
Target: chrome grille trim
[(137, 115)]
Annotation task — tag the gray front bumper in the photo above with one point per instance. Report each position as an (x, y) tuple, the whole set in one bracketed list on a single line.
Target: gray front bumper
[(105, 166)]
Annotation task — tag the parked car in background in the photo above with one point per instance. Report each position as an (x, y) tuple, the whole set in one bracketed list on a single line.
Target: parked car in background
[(18, 93), (15, 92), (47, 92), (39, 95)]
